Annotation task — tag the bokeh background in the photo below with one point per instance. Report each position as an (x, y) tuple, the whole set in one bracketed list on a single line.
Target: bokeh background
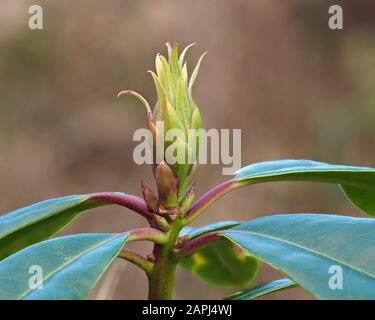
[(274, 69)]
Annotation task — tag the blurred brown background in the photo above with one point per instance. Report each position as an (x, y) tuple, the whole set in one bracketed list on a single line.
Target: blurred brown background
[(274, 69)]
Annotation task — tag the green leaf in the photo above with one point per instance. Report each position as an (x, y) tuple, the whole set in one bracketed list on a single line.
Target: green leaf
[(196, 232), (221, 263), (71, 266), (263, 289), (39, 221), (314, 250), (357, 182)]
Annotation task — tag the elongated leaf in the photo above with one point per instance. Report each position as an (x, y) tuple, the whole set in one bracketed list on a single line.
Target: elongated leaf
[(39, 221), (357, 182), (221, 263), (196, 232), (263, 289), (332, 257), (70, 266)]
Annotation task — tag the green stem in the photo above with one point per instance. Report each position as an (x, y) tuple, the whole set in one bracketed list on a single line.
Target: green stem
[(161, 278)]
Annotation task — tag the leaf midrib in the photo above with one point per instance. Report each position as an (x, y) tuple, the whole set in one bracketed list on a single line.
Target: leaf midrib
[(55, 271), (269, 174), (53, 213), (301, 247)]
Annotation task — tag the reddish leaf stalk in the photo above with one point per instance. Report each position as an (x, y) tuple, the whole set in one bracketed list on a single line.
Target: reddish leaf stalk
[(129, 201), (197, 244), (134, 203), (207, 199), (147, 234)]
